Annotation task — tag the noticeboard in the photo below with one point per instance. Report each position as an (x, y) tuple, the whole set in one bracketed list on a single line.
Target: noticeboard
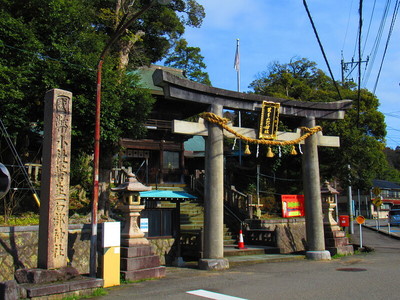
[(292, 206)]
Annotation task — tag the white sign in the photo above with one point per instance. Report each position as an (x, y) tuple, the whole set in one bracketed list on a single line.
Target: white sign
[(144, 224)]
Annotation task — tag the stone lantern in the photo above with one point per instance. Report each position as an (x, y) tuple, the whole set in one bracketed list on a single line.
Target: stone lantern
[(336, 241), (328, 205), (131, 234)]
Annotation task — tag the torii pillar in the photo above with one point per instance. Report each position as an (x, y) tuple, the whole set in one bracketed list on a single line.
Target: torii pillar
[(312, 195), (214, 198)]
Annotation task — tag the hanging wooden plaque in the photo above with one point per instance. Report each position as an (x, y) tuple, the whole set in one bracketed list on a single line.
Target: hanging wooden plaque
[(269, 120)]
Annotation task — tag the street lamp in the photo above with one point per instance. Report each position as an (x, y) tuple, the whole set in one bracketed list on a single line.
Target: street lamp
[(120, 30)]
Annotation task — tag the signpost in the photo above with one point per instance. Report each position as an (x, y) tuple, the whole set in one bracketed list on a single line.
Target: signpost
[(360, 220), (377, 201)]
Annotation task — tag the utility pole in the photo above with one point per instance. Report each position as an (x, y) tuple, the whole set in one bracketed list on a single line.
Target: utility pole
[(349, 67)]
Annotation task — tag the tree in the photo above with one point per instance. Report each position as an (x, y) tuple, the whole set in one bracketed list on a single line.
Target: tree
[(190, 60), (57, 44), (362, 132)]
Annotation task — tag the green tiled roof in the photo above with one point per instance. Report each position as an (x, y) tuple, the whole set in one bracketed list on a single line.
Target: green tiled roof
[(146, 75)]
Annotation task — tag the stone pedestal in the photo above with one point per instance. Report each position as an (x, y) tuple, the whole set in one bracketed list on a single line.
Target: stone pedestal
[(336, 241), (138, 260)]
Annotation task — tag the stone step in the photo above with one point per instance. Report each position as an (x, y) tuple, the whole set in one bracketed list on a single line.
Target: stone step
[(136, 251), (137, 263), (336, 242), (343, 250), (335, 234), (156, 272), (249, 250), (78, 286)]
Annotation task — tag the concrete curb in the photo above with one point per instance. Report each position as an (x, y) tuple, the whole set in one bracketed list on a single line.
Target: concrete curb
[(395, 236)]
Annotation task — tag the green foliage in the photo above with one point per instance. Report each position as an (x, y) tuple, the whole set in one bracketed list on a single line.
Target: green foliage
[(24, 219), (190, 60), (57, 44), (96, 293)]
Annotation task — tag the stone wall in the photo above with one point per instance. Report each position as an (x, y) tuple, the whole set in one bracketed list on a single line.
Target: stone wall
[(164, 248), (290, 233), (19, 247)]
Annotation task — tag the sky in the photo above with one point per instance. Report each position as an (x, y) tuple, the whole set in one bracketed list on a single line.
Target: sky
[(278, 31)]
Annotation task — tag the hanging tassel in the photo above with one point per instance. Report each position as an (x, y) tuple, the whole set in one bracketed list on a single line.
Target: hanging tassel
[(258, 150), (234, 144), (270, 153), (293, 151), (301, 152), (247, 150)]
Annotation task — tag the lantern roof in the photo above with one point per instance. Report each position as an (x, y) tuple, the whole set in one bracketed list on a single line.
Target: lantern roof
[(132, 185), (328, 189)]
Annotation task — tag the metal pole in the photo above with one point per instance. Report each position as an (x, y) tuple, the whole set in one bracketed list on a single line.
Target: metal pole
[(361, 240), (350, 204), (258, 185), (96, 154)]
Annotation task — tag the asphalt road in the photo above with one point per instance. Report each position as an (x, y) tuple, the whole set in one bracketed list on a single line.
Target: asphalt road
[(373, 275)]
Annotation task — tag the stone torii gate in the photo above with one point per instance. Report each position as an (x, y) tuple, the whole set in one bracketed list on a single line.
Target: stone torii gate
[(215, 100)]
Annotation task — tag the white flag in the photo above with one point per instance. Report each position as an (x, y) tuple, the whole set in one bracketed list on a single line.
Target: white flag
[(237, 57)]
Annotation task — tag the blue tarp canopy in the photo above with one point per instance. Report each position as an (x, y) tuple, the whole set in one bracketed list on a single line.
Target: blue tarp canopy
[(166, 195)]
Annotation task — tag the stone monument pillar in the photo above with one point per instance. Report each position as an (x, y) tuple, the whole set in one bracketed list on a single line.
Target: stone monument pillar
[(53, 228)]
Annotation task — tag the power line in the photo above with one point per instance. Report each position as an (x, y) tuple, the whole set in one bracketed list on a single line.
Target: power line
[(396, 9), (369, 26), (322, 48), (375, 47), (41, 56)]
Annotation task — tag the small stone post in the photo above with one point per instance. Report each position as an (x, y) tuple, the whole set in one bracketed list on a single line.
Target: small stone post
[(53, 228)]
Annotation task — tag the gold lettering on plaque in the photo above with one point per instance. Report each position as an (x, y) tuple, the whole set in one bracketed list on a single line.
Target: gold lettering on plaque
[(269, 120)]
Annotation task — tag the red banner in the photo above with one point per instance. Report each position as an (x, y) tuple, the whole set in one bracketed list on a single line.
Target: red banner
[(292, 206)]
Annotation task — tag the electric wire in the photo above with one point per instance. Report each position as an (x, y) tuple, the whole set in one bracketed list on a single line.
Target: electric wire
[(369, 26), (377, 41), (394, 17), (347, 26), (321, 47), (41, 56)]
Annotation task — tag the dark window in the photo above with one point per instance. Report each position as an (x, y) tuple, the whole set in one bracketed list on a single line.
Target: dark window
[(160, 222), (171, 160)]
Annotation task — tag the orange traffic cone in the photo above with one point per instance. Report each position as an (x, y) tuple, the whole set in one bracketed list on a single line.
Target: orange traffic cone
[(241, 242)]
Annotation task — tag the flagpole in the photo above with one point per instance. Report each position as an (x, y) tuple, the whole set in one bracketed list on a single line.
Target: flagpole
[(237, 67)]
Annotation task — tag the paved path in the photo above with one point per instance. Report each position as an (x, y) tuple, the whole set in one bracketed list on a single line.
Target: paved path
[(373, 275)]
